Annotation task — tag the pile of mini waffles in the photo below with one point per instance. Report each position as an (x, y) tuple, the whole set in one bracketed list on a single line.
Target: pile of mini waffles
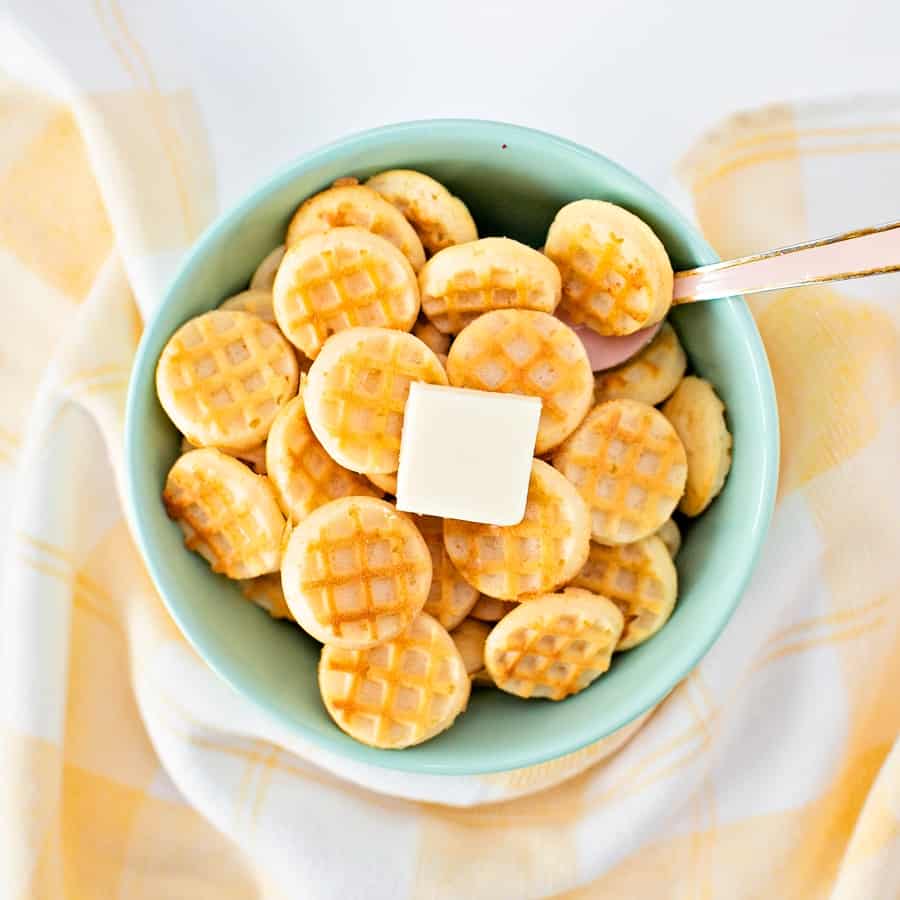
[(290, 397)]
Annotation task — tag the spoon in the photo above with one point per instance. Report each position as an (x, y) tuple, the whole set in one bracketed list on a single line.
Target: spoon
[(854, 254)]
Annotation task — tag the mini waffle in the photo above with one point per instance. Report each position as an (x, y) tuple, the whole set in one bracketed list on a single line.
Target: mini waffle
[(356, 572), (356, 393), (451, 597), (489, 609), (469, 637), (228, 515), (304, 476), (222, 378), (545, 550), (629, 465), (264, 276), (431, 337), (255, 457), (616, 276), (257, 301), (387, 483), (554, 645), (267, 594), (460, 283), (648, 377), (399, 693), (698, 415), (341, 279), (360, 207), (670, 535), (520, 351), (640, 578), (439, 218)]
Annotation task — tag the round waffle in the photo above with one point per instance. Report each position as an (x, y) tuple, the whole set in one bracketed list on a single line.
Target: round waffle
[(439, 218), (266, 593), (356, 572), (670, 535), (469, 637), (264, 276), (228, 515), (344, 278), (489, 609), (255, 457), (648, 377), (554, 645), (616, 275), (520, 351), (545, 550), (255, 301), (356, 393), (698, 415), (304, 476), (629, 465), (640, 578), (397, 694), (460, 283), (223, 376), (387, 483), (451, 597), (431, 337), (360, 207)]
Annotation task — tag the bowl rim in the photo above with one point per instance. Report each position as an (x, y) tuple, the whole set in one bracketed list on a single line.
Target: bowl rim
[(758, 518)]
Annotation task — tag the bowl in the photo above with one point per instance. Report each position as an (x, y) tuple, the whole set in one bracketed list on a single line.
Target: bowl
[(514, 180)]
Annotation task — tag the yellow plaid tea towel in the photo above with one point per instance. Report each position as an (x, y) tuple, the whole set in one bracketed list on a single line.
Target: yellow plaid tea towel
[(130, 771)]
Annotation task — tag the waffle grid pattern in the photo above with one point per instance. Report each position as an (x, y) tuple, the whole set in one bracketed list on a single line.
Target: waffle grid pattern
[(366, 593), (256, 301), (223, 377), (225, 514), (451, 597), (629, 465), (525, 352), (553, 657), (398, 693), (342, 282)]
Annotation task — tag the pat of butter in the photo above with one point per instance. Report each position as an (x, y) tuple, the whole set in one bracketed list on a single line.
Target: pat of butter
[(466, 454)]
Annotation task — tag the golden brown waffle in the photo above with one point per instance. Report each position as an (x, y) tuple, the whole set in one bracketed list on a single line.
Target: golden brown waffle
[(698, 415), (397, 694), (554, 645), (264, 276), (469, 637), (356, 391), (387, 483), (360, 207), (451, 597), (462, 282), (670, 534), (616, 275), (356, 572), (546, 549), (267, 594), (520, 351), (440, 219), (228, 515), (341, 279), (304, 476), (222, 378), (255, 457), (489, 609), (640, 578), (256, 301), (629, 465), (431, 336), (648, 377)]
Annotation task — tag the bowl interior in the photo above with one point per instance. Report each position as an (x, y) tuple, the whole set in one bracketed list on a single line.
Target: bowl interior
[(513, 180)]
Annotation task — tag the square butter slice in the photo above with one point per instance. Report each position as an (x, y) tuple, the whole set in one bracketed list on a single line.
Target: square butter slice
[(466, 454)]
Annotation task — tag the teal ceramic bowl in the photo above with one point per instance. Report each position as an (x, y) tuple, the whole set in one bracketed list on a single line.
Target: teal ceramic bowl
[(513, 180)]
